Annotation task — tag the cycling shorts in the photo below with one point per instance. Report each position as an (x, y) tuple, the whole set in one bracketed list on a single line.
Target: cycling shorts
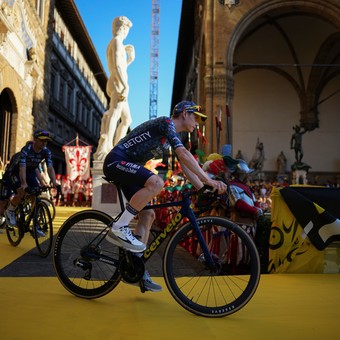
[(129, 175), (11, 182)]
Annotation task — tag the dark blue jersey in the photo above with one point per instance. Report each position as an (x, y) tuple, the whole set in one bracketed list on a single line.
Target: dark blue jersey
[(30, 159), (149, 140)]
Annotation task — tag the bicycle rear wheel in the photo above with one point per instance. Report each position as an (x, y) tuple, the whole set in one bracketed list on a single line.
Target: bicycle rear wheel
[(81, 255), (15, 234), (212, 292), (43, 229)]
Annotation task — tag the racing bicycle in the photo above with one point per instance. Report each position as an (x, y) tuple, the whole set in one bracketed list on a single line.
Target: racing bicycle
[(201, 268), (33, 216)]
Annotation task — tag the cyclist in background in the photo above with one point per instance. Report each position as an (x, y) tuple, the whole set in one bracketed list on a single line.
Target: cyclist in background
[(125, 165), (22, 172)]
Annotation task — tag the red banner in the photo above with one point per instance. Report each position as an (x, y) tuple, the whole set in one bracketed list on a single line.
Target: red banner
[(77, 161)]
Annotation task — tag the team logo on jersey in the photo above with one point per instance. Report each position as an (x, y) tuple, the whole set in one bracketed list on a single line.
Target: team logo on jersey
[(128, 167), (137, 140)]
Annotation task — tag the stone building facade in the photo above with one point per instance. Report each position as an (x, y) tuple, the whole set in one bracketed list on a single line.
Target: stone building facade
[(23, 49), (259, 68), (50, 77), (77, 90)]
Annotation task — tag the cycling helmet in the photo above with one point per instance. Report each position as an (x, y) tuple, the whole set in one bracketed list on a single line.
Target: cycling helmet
[(42, 135), (190, 107)]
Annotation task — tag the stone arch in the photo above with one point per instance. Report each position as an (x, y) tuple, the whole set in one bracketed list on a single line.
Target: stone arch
[(326, 10), (16, 91)]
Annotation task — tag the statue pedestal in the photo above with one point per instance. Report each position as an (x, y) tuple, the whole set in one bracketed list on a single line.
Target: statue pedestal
[(299, 173), (105, 196), (299, 177)]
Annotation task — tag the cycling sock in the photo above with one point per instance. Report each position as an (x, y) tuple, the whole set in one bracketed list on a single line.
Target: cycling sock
[(128, 214)]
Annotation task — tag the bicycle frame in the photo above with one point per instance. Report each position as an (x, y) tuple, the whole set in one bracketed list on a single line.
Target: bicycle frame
[(31, 197), (32, 213), (175, 223)]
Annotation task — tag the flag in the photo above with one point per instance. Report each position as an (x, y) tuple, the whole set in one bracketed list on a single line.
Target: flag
[(77, 161), (320, 225), (290, 250)]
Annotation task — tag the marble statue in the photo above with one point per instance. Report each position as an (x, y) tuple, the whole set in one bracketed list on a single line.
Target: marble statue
[(117, 119), (258, 157), (281, 162), (239, 155)]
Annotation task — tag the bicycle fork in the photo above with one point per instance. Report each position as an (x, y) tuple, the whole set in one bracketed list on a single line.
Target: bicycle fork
[(205, 256)]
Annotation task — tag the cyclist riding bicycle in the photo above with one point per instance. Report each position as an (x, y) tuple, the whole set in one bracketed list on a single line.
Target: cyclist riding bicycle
[(23, 172), (125, 165)]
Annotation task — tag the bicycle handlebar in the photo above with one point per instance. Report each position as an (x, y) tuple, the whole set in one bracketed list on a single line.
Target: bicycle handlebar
[(206, 190), (37, 190)]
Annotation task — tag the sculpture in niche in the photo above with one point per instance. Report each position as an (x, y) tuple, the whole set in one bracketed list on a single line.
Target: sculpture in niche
[(258, 158), (117, 119), (281, 162), (239, 155)]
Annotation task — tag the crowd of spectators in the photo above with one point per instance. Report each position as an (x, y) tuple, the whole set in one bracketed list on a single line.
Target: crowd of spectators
[(74, 193)]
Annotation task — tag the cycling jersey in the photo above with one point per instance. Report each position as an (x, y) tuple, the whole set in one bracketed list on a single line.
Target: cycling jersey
[(28, 158), (32, 159), (124, 164), (149, 140)]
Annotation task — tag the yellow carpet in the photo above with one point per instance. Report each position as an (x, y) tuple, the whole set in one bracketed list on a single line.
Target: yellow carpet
[(285, 306)]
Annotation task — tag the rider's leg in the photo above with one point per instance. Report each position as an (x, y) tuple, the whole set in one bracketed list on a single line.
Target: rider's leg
[(153, 186), (120, 233), (144, 224), (13, 203), (142, 231), (139, 185), (16, 199)]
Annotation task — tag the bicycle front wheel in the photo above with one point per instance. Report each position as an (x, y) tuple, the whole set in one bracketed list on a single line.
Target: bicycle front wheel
[(205, 291), (16, 233), (43, 229), (83, 260)]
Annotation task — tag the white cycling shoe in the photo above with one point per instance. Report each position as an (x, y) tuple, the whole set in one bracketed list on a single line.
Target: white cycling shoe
[(123, 237)]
